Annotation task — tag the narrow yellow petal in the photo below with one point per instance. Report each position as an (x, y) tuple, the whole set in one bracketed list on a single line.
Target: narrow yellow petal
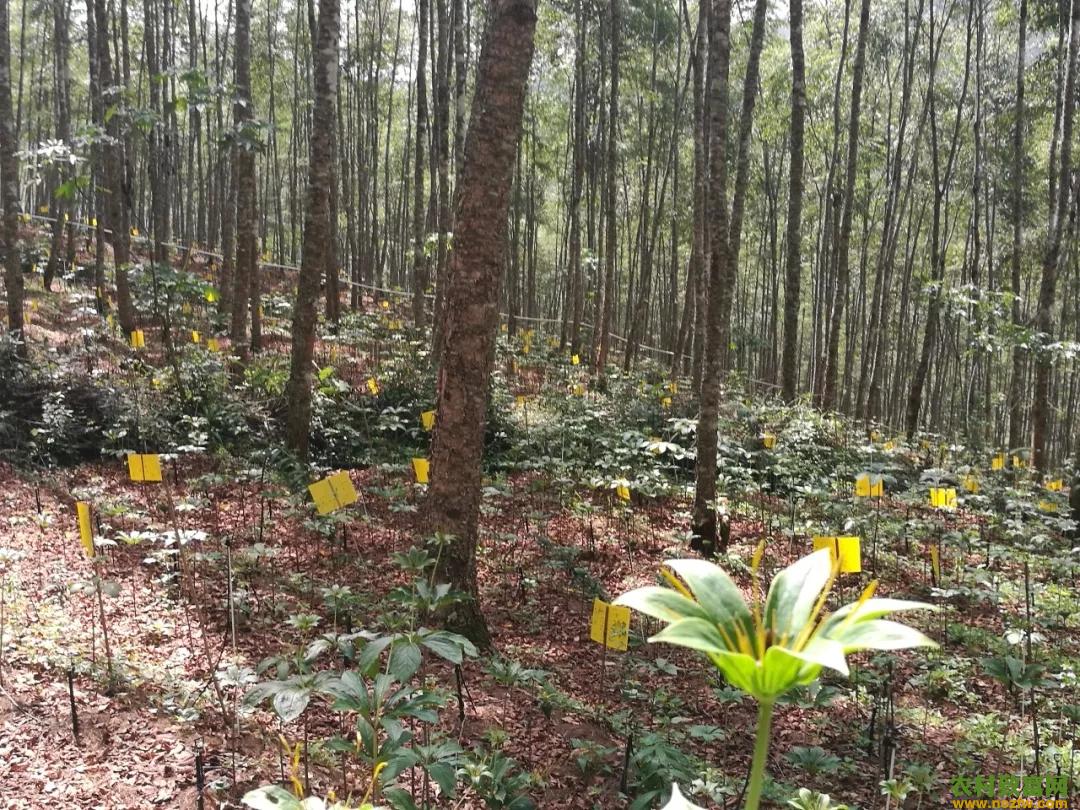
[(674, 582)]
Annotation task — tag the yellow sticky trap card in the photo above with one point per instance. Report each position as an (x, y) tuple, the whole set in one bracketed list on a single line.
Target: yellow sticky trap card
[(998, 462), (384, 304), (971, 484), (134, 231), (86, 531), (622, 492), (665, 403), (372, 387), (195, 336), (1047, 506), (1018, 463), (575, 360), (503, 327), (869, 486), (24, 217), (889, 445), (92, 222), (186, 308), (848, 550), (875, 436), (579, 390), (520, 400), (138, 339), (610, 625), (110, 321), (943, 497), (769, 440), (553, 343), (211, 296), (420, 468), (935, 562), (144, 467), (427, 419), (213, 345), (673, 387), (43, 209), (1056, 485), (333, 492)]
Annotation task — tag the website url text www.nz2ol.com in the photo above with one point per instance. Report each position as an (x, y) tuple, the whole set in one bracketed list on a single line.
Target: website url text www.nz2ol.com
[(1010, 803)]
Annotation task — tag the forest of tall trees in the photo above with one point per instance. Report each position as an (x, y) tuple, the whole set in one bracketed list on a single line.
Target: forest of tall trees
[(895, 239), (438, 324)]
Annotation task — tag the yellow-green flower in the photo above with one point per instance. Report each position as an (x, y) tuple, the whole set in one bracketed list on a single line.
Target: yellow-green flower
[(767, 650)]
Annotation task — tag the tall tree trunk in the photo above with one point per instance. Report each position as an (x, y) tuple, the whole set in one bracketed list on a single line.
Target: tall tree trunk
[(60, 202), (1044, 315), (246, 282), (111, 159), (793, 275), (420, 262), (704, 515), (9, 187), (611, 240), (828, 397), (1016, 390), (577, 281), (472, 315), (318, 250)]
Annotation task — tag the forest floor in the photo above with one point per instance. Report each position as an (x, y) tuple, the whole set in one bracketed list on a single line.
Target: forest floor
[(569, 714)]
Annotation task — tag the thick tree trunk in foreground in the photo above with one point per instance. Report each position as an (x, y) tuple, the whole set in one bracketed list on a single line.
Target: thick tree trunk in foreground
[(704, 517), (611, 243), (1016, 406), (9, 195), (472, 305), (1044, 316), (318, 231), (793, 275)]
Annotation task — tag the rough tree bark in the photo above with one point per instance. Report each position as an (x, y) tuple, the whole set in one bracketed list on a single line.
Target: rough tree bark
[(9, 192), (703, 523), (318, 251), (245, 271), (611, 242), (472, 315), (1044, 316), (1016, 396)]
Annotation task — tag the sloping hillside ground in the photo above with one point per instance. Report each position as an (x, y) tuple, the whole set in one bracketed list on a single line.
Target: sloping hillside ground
[(582, 728)]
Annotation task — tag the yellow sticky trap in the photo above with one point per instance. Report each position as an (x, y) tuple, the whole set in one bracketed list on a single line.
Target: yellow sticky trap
[(875, 436), (610, 625), (520, 400), (575, 360), (924, 444), (211, 296), (333, 492), (553, 343), (1056, 485), (86, 531), (579, 390), (372, 387), (144, 467), (24, 217), (213, 345), (420, 468), (43, 209), (186, 308), (1047, 506), (138, 339), (195, 336), (673, 387), (67, 218), (110, 321), (427, 419), (769, 440), (665, 403), (943, 497), (623, 493), (889, 445), (34, 306), (971, 484), (503, 327), (847, 549), (1018, 463), (384, 304), (869, 486), (92, 222), (935, 562), (513, 367), (998, 462)]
